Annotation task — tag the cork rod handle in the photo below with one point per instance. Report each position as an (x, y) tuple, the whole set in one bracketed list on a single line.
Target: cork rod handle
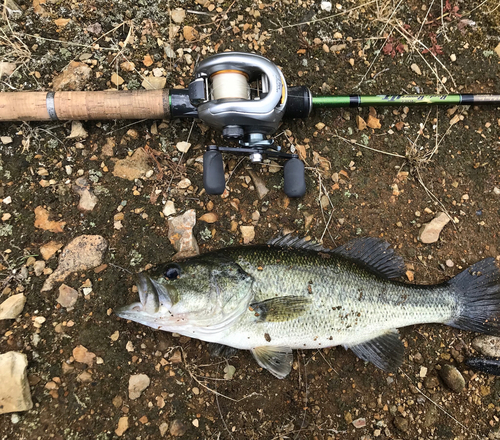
[(64, 106)]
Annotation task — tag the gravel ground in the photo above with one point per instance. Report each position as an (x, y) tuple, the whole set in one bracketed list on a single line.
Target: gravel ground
[(92, 375)]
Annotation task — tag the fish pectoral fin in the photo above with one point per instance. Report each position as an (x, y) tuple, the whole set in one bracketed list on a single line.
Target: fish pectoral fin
[(278, 360), (385, 352), (374, 255), (283, 308), (221, 350)]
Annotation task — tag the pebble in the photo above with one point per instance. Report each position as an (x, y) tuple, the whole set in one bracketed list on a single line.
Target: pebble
[(453, 57), (154, 83), (449, 263), (416, 69), (180, 234), (49, 249), (163, 428), (429, 232), (209, 217), (183, 147), (359, 423), (178, 15), (15, 392), (12, 307), (83, 253), (452, 378), (177, 428), (137, 384), (401, 423), (248, 233), (259, 185), (132, 167), (326, 6), (82, 355), (42, 221), (487, 345), (122, 426), (38, 267), (88, 200), (169, 208), (184, 183), (67, 296), (74, 77), (496, 190)]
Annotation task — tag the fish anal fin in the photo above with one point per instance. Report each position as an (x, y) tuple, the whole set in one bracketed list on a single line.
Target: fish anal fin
[(280, 309), (373, 254), (221, 350), (277, 360), (385, 352)]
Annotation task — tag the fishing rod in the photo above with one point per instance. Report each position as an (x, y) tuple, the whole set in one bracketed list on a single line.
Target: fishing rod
[(241, 94)]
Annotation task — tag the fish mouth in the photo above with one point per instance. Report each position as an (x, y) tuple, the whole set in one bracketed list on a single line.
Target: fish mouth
[(152, 296)]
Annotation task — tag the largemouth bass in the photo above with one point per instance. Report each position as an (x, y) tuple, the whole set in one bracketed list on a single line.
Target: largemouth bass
[(293, 294)]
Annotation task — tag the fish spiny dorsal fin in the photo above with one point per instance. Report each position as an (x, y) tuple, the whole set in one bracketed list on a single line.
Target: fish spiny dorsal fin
[(385, 352), (373, 254), (290, 241)]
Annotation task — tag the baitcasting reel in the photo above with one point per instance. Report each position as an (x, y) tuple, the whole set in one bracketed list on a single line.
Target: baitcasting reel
[(245, 96)]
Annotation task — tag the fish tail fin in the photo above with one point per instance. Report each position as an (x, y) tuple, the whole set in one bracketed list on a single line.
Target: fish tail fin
[(478, 293)]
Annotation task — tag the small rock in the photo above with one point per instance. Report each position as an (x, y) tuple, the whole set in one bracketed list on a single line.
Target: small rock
[(84, 377), (453, 57), (77, 131), (116, 79), (133, 167), (190, 33), (326, 6), (497, 49), (12, 307), (259, 185), (429, 233), (401, 423), (163, 428), (88, 200), (137, 384), (49, 249), (7, 69), (209, 217), (178, 15), (169, 208), (488, 346), (15, 393), (74, 77), (449, 263), (5, 139), (83, 253), (416, 69), (360, 122), (184, 183), (82, 355), (154, 83), (359, 423), (183, 147), (128, 66), (452, 377), (38, 267), (67, 296), (42, 221), (180, 234), (496, 190), (373, 122), (122, 426), (248, 233), (177, 428), (320, 125)]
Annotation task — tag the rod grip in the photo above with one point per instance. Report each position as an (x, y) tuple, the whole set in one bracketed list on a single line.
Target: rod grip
[(112, 104)]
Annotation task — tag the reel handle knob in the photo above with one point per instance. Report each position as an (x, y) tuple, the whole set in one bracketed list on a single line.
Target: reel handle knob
[(213, 171), (295, 182)]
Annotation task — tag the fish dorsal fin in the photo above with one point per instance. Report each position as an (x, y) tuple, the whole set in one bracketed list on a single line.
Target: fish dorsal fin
[(289, 241), (278, 360), (221, 350), (281, 309), (385, 352), (373, 254)]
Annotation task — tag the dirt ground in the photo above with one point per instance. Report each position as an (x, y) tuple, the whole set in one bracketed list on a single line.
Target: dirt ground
[(451, 157)]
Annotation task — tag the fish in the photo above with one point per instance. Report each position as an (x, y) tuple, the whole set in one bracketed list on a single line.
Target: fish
[(295, 294)]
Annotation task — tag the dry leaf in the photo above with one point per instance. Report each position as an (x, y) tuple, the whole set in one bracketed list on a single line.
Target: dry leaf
[(190, 33), (209, 217), (373, 122), (360, 122)]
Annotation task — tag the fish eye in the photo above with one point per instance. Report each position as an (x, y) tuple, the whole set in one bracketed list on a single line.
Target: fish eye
[(172, 272)]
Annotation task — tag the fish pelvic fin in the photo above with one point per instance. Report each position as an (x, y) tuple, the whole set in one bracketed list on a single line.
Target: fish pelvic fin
[(221, 350), (278, 360), (477, 291), (385, 352), (374, 255)]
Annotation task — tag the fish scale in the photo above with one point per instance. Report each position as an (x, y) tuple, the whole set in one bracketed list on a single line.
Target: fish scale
[(292, 294)]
